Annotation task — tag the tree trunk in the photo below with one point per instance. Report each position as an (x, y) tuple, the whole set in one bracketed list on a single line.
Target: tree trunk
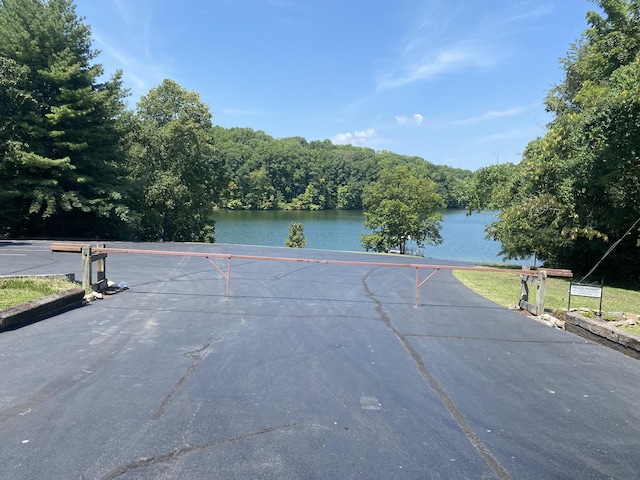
[(165, 227)]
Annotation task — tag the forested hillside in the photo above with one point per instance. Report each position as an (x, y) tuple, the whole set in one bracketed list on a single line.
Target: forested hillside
[(292, 173)]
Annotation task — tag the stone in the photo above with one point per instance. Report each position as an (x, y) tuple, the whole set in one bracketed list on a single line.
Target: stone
[(632, 317)]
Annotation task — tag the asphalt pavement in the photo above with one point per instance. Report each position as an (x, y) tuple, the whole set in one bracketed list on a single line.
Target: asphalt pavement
[(308, 370)]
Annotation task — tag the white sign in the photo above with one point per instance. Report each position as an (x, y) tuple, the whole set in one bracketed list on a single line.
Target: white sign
[(586, 291)]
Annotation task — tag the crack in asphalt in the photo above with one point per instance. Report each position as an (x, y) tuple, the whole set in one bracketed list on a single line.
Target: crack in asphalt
[(180, 452), (197, 356), (285, 275), (447, 401)]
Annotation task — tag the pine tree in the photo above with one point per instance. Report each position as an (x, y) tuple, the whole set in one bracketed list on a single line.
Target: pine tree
[(295, 238), (60, 161)]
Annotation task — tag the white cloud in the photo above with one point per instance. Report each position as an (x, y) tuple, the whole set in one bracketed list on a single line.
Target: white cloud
[(416, 120), (490, 115), (127, 43), (125, 12), (140, 73), (358, 137), (447, 39), (535, 12), (237, 112), (438, 63), (513, 134)]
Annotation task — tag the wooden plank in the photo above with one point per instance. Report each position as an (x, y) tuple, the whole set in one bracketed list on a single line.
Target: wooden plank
[(529, 307), (68, 247), (558, 272)]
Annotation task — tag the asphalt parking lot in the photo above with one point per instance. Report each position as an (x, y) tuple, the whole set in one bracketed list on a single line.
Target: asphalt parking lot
[(307, 371)]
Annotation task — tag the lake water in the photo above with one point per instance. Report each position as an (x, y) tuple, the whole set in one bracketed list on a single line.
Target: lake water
[(340, 230)]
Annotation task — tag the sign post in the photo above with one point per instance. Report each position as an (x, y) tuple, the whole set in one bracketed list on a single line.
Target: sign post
[(583, 290)]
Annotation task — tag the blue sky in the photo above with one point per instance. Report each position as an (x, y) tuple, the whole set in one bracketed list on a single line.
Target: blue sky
[(459, 83)]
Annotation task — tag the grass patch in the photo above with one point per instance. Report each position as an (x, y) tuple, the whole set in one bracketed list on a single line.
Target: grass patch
[(504, 289), (635, 329), (14, 291), (500, 288)]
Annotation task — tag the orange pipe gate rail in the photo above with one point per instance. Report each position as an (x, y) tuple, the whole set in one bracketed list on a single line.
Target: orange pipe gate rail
[(100, 252)]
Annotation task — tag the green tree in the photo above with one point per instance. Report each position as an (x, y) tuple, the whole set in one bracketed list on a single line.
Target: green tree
[(12, 101), (401, 206), (261, 194), (526, 200), (174, 166), (60, 163), (295, 238), (349, 196), (311, 199), (577, 188)]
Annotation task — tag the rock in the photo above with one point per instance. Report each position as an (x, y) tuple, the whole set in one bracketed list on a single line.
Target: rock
[(625, 342), (632, 317), (551, 321), (96, 296)]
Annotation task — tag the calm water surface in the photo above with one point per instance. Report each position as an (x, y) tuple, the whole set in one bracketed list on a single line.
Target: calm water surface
[(340, 230)]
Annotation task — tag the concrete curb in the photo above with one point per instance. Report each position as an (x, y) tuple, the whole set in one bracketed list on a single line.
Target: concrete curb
[(41, 308), (599, 331)]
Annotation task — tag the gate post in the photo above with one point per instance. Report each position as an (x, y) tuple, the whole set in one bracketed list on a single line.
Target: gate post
[(86, 268), (524, 288), (542, 290), (102, 269)]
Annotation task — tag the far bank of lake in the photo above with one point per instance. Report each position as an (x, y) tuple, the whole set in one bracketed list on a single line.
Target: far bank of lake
[(464, 236)]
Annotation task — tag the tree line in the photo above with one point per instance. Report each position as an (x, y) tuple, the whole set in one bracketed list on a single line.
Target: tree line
[(76, 161), (293, 173)]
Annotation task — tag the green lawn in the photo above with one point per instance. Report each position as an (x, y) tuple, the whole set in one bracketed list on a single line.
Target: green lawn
[(14, 291), (504, 289)]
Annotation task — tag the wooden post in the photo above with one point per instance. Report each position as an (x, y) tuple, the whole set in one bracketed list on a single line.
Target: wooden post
[(86, 269), (542, 291), (524, 288), (102, 269)]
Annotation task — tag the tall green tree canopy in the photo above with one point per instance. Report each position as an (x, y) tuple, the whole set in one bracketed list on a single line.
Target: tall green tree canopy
[(401, 205), (60, 158), (174, 166), (577, 189)]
